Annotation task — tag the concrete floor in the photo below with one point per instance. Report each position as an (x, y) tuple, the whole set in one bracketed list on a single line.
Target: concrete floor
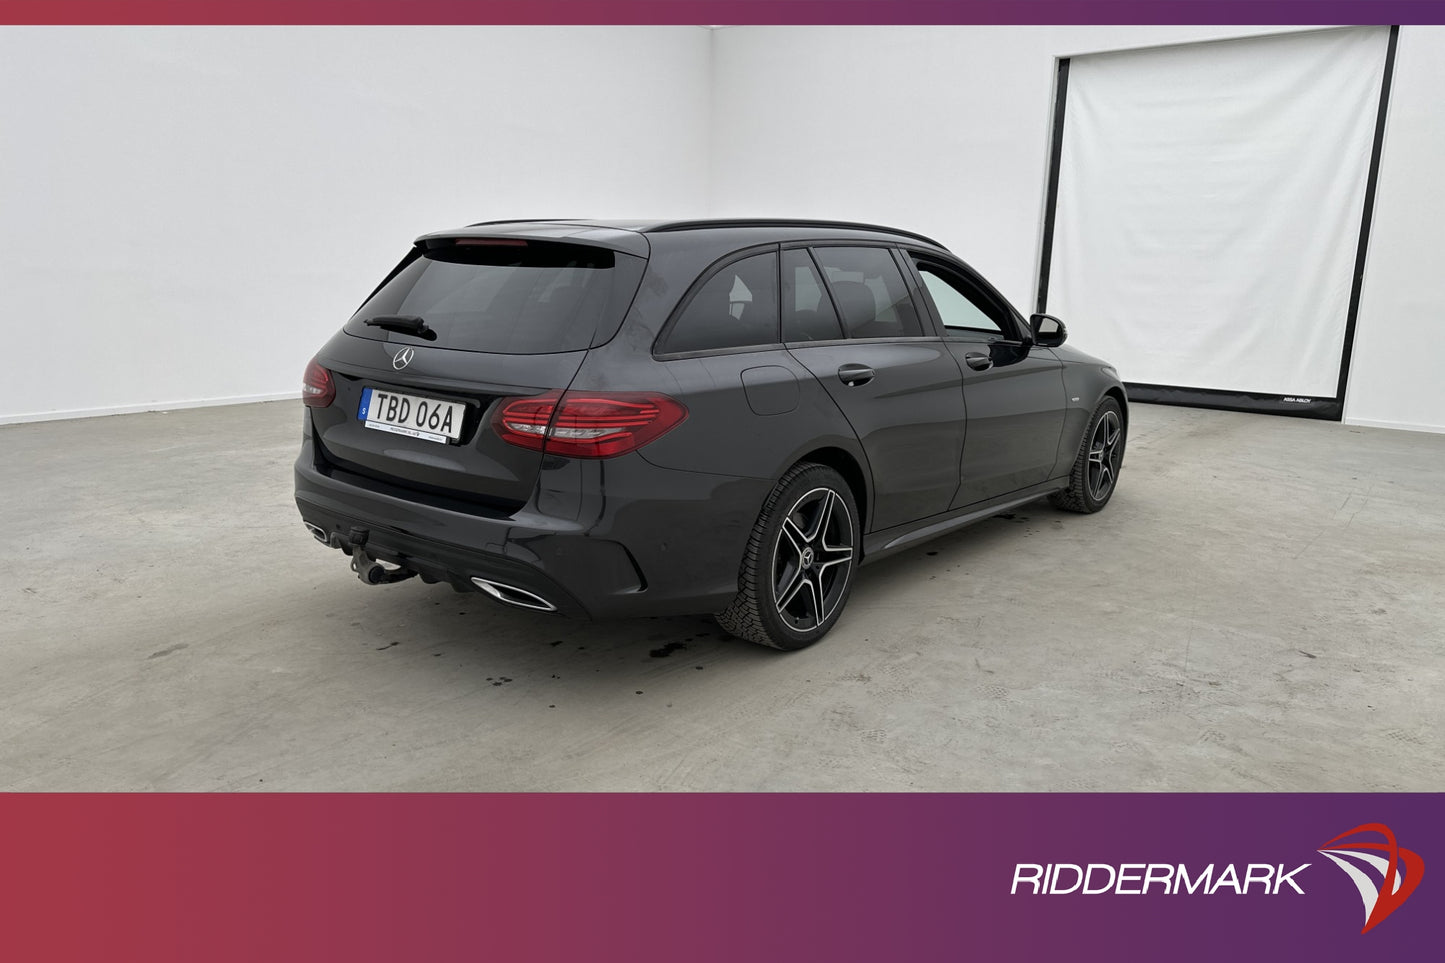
[(1261, 608)]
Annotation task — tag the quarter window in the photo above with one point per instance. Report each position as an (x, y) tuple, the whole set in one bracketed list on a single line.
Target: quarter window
[(869, 291), (737, 307)]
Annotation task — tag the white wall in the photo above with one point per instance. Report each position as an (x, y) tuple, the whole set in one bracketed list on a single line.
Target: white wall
[(186, 214), (945, 130)]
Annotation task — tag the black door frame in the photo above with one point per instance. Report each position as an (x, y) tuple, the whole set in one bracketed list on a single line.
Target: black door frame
[(1330, 409)]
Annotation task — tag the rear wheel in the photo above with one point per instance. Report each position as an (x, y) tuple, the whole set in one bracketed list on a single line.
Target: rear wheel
[(1096, 469), (797, 571)]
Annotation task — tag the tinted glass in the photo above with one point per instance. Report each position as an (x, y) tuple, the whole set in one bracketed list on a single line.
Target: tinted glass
[(737, 307), (958, 308), (869, 291), (518, 298), (808, 313)]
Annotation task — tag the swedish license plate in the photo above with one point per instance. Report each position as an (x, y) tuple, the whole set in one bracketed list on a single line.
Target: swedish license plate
[(424, 418)]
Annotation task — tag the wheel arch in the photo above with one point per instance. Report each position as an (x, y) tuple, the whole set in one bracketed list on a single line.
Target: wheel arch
[(1117, 393), (846, 465)]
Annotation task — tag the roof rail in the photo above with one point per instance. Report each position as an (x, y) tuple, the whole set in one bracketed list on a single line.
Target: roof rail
[(699, 225)]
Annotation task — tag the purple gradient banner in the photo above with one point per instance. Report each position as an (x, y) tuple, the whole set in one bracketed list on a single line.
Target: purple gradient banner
[(713, 878), (723, 11), (704, 878)]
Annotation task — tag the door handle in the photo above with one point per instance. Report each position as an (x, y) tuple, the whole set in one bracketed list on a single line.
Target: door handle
[(854, 375), (977, 361)]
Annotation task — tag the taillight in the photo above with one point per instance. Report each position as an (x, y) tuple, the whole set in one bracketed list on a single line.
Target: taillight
[(317, 388), (587, 424)]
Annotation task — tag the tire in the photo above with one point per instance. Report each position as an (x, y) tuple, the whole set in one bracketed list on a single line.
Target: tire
[(1096, 469), (797, 571)]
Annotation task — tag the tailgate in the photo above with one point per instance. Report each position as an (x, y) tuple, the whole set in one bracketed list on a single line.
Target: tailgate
[(459, 324)]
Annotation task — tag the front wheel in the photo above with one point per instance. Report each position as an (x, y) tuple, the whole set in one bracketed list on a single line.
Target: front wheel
[(798, 568), (1096, 469)]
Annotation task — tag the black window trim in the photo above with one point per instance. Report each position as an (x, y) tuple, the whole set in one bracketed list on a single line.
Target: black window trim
[(962, 333), (659, 353), (973, 279)]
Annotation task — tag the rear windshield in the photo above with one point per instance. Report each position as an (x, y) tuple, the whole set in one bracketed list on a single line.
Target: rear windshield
[(506, 297)]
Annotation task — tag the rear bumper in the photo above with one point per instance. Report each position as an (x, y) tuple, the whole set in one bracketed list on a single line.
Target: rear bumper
[(432, 559), (618, 539)]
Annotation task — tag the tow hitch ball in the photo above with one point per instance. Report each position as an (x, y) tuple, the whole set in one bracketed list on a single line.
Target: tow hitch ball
[(368, 569)]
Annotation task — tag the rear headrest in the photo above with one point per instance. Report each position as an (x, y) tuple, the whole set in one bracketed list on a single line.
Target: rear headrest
[(855, 302)]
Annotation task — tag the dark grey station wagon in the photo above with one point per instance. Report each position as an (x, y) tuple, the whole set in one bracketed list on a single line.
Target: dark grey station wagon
[(663, 418)]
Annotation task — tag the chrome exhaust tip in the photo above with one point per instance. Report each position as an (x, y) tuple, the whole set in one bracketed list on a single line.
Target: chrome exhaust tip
[(512, 595), (318, 533)]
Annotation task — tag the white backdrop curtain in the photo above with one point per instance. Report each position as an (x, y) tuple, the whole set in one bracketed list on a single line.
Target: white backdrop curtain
[(1209, 208)]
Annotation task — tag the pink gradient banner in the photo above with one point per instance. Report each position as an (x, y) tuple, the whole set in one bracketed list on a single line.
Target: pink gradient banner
[(721, 11), (711, 877)]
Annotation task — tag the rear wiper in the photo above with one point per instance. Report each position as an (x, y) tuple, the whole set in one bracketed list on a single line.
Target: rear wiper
[(404, 323)]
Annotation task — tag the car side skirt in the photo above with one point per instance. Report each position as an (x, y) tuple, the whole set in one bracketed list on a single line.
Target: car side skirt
[(892, 540)]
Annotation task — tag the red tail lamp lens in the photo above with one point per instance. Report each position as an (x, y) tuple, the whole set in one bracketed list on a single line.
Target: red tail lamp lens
[(523, 421), (587, 424), (317, 388)]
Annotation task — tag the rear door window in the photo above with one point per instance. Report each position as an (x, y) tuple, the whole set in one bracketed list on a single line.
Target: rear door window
[(808, 313), (869, 291), (735, 308), (506, 296)]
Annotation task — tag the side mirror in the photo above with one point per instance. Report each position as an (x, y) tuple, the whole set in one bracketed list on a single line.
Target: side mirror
[(1047, 330)]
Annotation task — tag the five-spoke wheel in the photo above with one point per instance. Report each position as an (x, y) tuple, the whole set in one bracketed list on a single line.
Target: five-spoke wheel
[(1096, 469), (1105, 452), (798, 567), (813, 559)]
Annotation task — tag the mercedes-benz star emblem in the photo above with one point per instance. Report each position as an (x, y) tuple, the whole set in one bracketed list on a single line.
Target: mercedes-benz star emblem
[(402, 358)]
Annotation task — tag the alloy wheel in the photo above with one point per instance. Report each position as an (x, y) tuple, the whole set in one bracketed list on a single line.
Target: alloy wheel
[(813, 559), (1104, 455)]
